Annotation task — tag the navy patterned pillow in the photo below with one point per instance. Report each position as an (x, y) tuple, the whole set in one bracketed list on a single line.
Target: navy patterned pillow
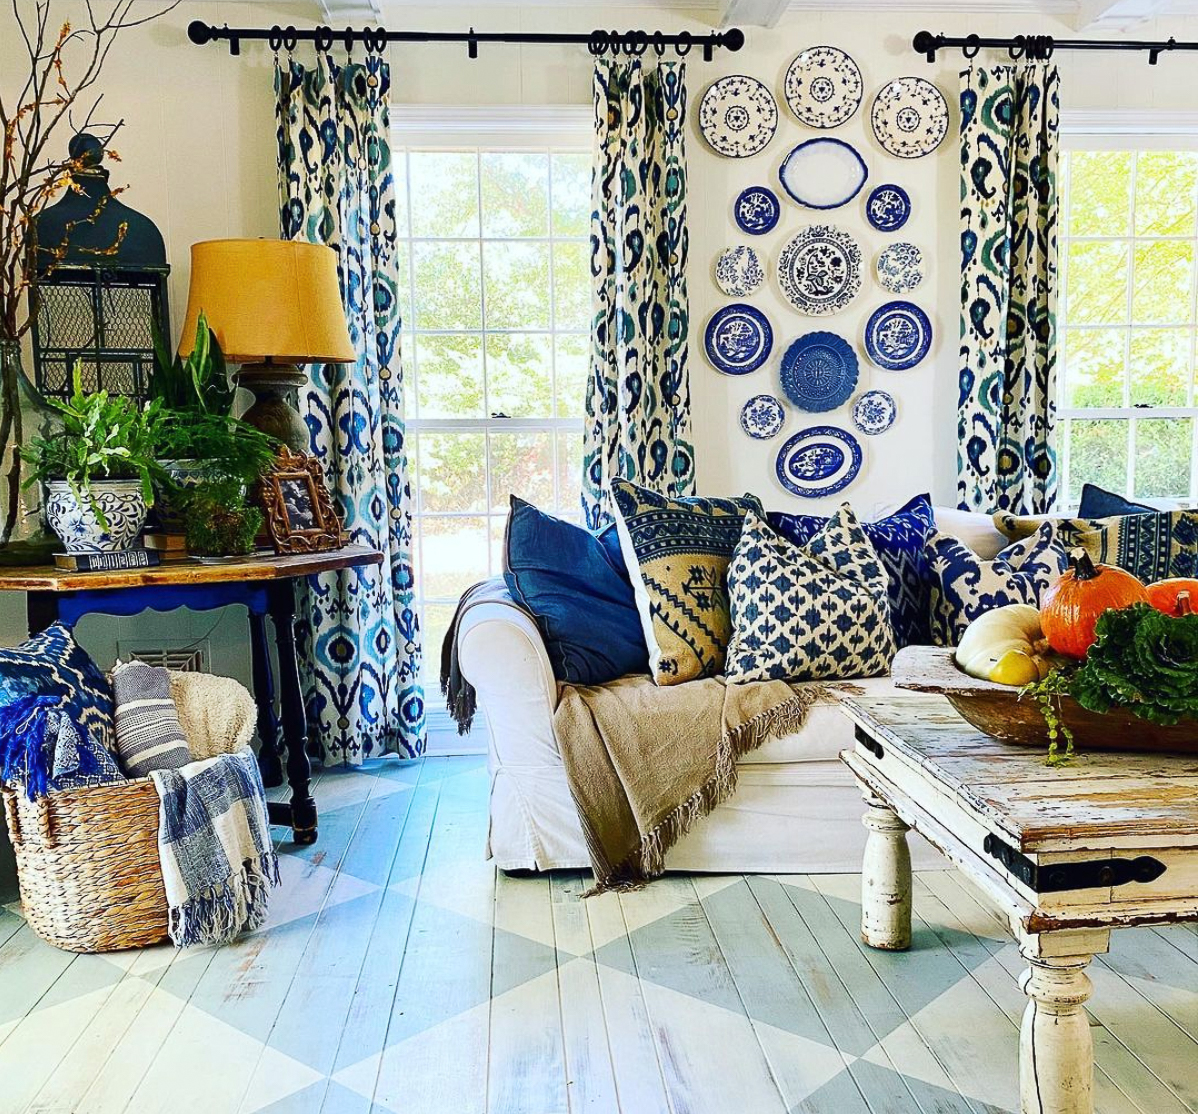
[(900, 540), (808, 612), (963, 586)]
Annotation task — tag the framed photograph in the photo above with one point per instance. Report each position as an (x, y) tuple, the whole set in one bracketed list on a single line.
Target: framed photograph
[(299, 510)]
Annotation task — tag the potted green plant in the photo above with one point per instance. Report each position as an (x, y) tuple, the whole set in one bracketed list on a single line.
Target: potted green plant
[(220, 522), (98, 469)]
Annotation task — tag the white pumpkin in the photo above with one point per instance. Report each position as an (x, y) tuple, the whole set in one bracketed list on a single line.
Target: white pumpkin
[(1005, 645)]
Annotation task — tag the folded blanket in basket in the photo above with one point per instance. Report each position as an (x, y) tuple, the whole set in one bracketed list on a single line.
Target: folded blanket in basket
[(218, 862)]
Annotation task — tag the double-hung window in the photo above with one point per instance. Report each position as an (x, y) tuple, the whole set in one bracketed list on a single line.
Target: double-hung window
[(1129, 316), (494, 224)]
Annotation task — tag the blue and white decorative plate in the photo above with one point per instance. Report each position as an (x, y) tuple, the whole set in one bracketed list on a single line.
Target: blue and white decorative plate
[(823, 87), (819, 371), (762, 417), (738, 339), (820, 270), (756, 210), (738, 116), (897, 336), (738, 271), (819, 461), (909, 117), (900, 268), (874, 412), (823, 173), (888, 207)]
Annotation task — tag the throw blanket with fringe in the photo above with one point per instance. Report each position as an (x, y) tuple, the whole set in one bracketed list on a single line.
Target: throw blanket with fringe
[(645, 763), (218, 861)]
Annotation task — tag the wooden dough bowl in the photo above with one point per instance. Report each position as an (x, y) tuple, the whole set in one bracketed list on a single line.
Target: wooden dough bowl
[(998, 711)]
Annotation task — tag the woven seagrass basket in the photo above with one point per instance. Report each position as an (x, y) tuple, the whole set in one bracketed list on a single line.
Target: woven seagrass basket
[(87, 859)]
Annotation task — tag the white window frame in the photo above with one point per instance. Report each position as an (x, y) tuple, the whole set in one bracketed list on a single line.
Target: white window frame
[(503, 128), (1122, 130)]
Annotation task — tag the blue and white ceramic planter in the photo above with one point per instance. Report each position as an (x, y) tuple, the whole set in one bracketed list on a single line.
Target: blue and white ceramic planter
[(76, 524)]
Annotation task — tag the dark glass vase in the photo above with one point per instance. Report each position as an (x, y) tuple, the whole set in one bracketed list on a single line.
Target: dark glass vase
[(25, 539)]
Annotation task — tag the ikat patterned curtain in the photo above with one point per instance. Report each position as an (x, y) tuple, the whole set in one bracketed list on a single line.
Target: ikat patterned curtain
[(638, 404), (359, 632), (1009, 280)]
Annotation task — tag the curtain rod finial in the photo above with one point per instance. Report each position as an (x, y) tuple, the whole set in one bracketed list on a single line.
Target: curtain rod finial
[(199, 32)]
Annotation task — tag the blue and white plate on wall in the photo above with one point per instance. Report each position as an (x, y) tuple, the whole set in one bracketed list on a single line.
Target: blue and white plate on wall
[(819, 270), (888, 207), (823, 173), (756, 210), (874, 412), (762, 417), (738, 271), (738, 339), (819, 461), (738, 116), (897, 336), (900, 268), (823, 87), (909, 117), (819, 372)]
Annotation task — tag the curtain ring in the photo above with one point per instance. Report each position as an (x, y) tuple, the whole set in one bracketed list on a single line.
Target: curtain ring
[(683, 46), (636, 42), (349, 40), (597, 43), (290, 38), (1017, 48), (275, 38), (659, 44), (617, 43), (322, 38), (973, 44)]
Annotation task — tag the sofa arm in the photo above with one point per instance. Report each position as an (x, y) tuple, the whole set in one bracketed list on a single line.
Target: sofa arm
[(501, 653)]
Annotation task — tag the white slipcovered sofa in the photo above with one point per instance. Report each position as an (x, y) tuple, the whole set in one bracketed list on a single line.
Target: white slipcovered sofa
[(796, 809)]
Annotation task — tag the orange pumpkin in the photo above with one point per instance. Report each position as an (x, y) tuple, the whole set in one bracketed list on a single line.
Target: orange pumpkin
[(1177, 596), (1070, 608)]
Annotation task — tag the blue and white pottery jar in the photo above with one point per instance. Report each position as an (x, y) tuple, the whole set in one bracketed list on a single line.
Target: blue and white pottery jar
[(123, 506)]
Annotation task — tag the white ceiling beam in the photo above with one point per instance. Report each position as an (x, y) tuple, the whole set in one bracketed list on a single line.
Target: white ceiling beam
[(337, 12), (1117, 15), (752, 13)]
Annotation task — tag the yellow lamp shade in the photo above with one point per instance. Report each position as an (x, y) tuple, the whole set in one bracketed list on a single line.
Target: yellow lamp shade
[(268, 300)]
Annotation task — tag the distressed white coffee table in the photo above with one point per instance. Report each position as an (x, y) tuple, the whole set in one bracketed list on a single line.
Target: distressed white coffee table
[(1068, 854)]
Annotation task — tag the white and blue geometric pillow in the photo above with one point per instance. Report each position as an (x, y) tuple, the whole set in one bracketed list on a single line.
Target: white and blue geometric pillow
[(808, 612), (901, 540), (963, 586)]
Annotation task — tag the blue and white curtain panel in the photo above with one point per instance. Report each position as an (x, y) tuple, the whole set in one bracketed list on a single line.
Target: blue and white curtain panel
[(638, 405), (1010, 131), (359, 633)]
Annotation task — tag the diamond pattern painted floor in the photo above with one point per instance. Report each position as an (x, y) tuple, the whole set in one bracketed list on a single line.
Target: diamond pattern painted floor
[(399, 973)]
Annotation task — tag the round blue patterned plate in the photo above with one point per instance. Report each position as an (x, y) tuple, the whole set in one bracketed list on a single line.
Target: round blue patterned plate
[(899, 268), (738, 339), (738, 116), (738, 271), (823, 87), (897, 336), (909, 117), (819, 371), (874, 412), (756, 210), (762, 417), (823, 173), (819, 270), (888, 207), (819, 461)]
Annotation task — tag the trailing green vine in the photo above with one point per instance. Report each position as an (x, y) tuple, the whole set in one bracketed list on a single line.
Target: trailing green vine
[(1047, 694)]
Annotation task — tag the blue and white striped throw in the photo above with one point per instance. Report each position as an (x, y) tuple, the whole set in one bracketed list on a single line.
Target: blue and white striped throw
[(148, 735)]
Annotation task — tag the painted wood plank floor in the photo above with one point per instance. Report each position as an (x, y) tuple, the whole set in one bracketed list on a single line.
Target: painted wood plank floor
[(399, 974)]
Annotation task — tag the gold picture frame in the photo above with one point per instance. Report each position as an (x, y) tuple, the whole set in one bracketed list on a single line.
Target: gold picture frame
[(299, 509)]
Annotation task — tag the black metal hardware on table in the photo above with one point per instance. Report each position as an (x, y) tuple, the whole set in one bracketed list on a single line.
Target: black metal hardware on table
[(1039, 48), (1085, 875), (375, 39)]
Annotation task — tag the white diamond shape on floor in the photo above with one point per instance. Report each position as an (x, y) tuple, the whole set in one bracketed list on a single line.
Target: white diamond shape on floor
[(800, 1066), (466, 888), (307, 888), (339, 788)]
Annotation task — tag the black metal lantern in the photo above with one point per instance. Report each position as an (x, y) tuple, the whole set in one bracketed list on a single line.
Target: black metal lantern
[(101, 287)]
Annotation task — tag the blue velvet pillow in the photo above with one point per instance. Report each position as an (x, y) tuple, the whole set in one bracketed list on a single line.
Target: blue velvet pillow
[(575, 585), (900, 540), (1097, 503)]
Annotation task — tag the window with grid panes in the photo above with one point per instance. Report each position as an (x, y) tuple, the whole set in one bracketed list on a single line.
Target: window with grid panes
[(1128, 323), (495, 251)]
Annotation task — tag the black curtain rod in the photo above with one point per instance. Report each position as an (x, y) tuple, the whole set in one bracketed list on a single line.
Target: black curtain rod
[(376, 38), (1040, 47)]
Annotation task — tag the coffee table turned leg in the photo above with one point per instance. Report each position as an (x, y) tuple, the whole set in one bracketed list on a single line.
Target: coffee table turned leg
[(885, 879)]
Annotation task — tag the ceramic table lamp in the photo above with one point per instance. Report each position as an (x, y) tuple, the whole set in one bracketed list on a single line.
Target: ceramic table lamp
[(272, 304)]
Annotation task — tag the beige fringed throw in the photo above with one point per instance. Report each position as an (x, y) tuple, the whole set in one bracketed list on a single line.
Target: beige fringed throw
[(645, 762)]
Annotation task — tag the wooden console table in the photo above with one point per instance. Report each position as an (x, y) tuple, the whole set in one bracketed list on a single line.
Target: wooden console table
[(265, 586), (1068, 854)]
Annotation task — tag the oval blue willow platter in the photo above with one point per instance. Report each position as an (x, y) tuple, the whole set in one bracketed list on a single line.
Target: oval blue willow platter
[(888, 207), (874, 412), (823, 173), (762, 417), (738, 339), (897, 336), (738, 116), (756, 210), (819, 461), (819, 371)]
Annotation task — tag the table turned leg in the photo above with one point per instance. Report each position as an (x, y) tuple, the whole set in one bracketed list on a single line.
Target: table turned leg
[(269, 754), (885, 879), (281, 600)]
